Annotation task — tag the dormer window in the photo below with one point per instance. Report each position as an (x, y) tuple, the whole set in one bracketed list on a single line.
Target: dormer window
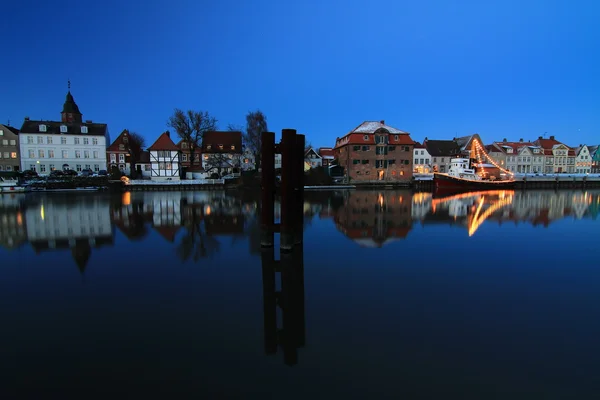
[(220, 147), (184, 145), (42, 128), (208, 147), (232, 147), (509, 150), (63, 129), (84, 129)]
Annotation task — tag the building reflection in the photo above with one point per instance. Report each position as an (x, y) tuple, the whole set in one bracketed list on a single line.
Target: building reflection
[(75, 223), (375, 218), (13, 230)]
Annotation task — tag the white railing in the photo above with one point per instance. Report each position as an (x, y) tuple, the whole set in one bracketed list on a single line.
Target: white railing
[(179, 183)]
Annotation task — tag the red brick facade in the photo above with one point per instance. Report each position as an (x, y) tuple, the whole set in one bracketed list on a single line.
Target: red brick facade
[(376, 152)]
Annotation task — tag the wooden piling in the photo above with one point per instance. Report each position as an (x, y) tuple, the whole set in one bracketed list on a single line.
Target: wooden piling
[(288, 143), (299, 188), (267, 188)]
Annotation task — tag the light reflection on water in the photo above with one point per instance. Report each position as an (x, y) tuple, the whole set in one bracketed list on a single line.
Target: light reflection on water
[(490, 292)]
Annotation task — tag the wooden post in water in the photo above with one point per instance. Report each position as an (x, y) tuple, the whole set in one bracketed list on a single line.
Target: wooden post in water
[(288, 143), (267, 189), (299, 188)]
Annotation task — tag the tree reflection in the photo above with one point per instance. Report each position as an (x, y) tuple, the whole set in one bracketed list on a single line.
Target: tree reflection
[(197, 243)]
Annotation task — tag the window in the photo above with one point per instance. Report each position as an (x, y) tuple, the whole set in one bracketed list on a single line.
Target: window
[(84, 129), (40, 140), (88, 166), (78, 168), (122, 157), (365, 148), (63, 129), (49, 139), (13, 142), (29, 139), (365, 161), (41, 153), (395, 137), (77, 153), (184, 145), (86, 141), (31, 153), (65, 154), (366, 137), (94, 141), (86, 154), (391, 148), (232, 147), (146, 167), (63, 140), (206, 156), (113, 158), (95, 154), (184, 157), (355, 161), (52, 167), (42, 128), (208, 147), (381, 150), (50, 153), (96, 167), (76, 140), (1, 132), (168, 166), (121, 147), (32, 167), (5, 142)]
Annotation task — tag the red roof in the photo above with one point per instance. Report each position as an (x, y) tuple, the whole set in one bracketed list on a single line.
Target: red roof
[(515, 146), (325, 152), (548, 144), (419, 145), (367, 129), (163, 142), (114, 147)]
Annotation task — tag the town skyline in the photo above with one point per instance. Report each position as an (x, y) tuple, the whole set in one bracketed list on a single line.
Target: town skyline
[(436, 70)]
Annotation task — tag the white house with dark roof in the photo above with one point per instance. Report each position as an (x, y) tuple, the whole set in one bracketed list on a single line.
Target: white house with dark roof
[(583, 160), (313, 158), (70, 143)]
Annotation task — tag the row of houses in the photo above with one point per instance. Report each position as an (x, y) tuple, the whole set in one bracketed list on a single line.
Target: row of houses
[(73, 143), (376, 151), (371, 151)]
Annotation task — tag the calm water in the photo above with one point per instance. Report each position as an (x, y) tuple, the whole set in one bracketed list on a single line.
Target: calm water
[(477, 296)]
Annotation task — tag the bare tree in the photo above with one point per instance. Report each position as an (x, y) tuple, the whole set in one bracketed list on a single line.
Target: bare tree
[(136, 146), (307, 146), (218, 162), (190, 126), (256, 124)]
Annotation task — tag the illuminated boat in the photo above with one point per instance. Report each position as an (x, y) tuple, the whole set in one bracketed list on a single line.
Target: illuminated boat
[(463, 176)]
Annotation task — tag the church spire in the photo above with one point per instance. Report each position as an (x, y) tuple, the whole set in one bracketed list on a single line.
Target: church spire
[(70, 112)]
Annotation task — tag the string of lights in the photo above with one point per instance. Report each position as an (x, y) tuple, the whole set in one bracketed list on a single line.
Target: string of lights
[(479, 150)]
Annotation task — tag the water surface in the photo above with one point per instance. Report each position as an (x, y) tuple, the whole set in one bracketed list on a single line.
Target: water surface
[(486, 295)]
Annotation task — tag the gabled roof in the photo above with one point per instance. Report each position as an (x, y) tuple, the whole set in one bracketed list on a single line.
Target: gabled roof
[(515, 146), (419, 146), (114, 147), (226, 139), (593, 150), (548, 145), (163, 142), (442, 148), (311, 150), (73, 128), (10, 128)]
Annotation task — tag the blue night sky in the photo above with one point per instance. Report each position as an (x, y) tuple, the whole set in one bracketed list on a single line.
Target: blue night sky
[(512, 69)]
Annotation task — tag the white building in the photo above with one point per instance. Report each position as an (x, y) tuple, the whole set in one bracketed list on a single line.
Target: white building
[(559, 158), (583, 160), (520, 157), (71, 143), (164, 159), (313, 158), (421, 159)]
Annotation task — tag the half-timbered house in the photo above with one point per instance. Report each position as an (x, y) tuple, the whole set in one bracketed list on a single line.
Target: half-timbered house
[(164, 159)]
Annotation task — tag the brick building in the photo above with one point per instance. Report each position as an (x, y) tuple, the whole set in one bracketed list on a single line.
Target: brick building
[(374, 151)]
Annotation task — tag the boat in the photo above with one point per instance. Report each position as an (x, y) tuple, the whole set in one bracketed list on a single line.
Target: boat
[(10, 186), (463, 175)]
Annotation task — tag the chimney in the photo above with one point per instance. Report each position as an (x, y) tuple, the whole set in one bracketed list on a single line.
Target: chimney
[(382, 122), (425, 139), (26, 118), (540, 138), (552, 137), (504, 140), (88, 121), (580, 145), (521, 140), (168, 133)]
